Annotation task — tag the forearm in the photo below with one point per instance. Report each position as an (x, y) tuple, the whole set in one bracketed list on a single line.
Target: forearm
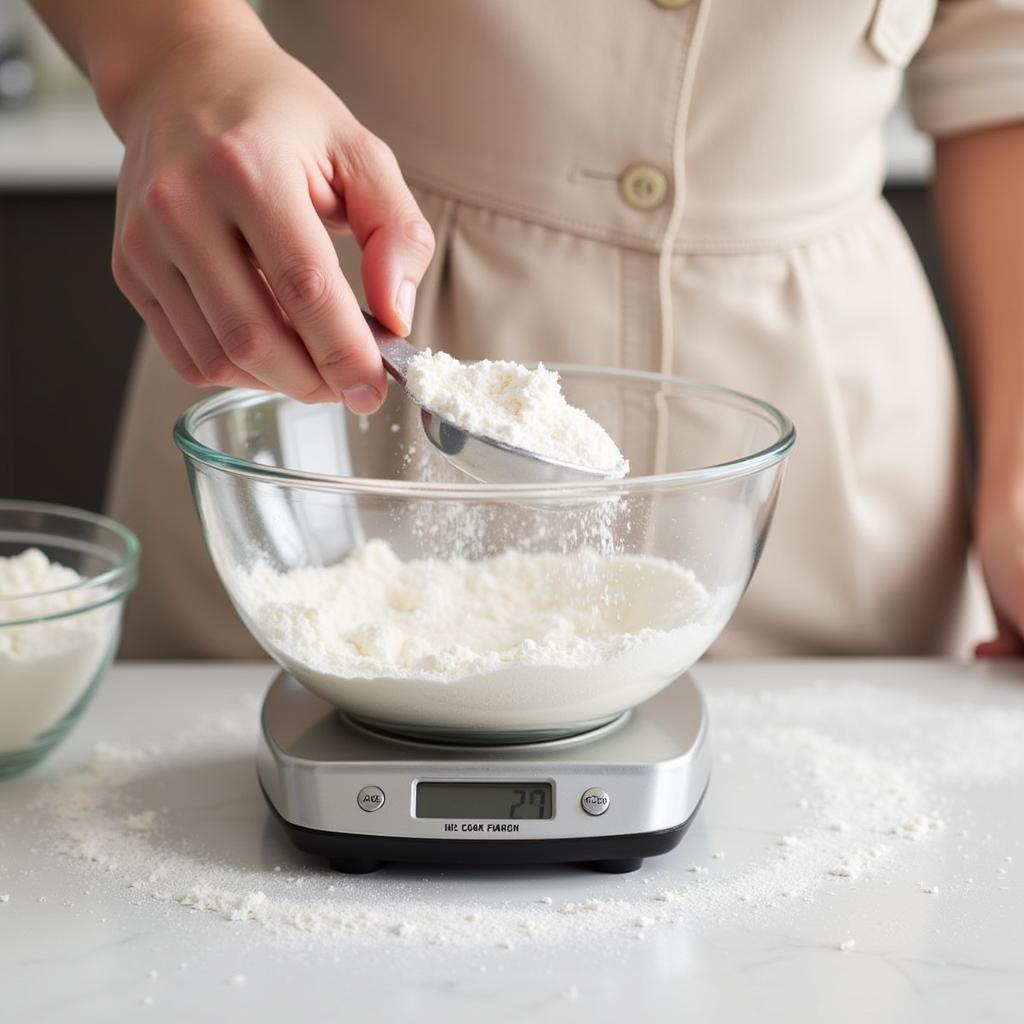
[(979, 187), (118, 43)]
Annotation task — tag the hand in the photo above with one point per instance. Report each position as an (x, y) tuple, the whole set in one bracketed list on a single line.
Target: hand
[(237, 160), (1000, 544)]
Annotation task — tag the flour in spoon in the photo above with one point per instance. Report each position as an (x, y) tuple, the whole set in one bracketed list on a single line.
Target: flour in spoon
[(509, 402)]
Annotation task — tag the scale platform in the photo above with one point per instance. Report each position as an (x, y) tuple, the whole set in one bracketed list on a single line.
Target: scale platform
[(605, 799)]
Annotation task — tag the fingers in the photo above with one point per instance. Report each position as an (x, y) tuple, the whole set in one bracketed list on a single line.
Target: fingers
[(1006, 644), (193, 332), (147, 306), (165, 301), (396, 240), (182, 330), (1000, 647), (243, 319), (296, 256), (239, 280)]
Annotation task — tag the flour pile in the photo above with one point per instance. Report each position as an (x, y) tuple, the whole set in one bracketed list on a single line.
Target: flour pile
[(508, 402), (45, 666), (815, 789), (518, 639), (374, 614)]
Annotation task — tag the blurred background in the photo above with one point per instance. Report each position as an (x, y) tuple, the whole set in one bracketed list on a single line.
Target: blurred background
[(66, 335)]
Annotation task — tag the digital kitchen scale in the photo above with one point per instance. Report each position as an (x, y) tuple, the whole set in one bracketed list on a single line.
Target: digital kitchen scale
[(606, 798)]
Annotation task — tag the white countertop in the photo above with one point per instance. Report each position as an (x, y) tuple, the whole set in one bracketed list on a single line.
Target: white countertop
[(58, 144), (67, 144), (79, 942)]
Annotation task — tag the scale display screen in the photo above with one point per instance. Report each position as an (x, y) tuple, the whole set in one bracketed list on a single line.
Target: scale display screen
[(502, 801)]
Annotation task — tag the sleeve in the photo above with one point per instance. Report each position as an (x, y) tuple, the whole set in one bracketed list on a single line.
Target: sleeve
[(970, 71)]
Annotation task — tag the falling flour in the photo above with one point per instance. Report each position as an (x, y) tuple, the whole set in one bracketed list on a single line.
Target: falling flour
[(809, 756), (518, 639), (509, 402), (45, 665)]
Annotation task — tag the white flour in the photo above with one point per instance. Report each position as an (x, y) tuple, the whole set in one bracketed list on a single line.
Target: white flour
[(45, 666), (515, 640), (507, 402), (840, 765)]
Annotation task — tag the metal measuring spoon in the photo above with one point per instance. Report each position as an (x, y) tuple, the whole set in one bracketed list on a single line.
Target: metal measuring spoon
[(483, 458)]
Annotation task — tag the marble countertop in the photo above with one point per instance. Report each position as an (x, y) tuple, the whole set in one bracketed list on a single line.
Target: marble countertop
[(66, 144), (935, 933)]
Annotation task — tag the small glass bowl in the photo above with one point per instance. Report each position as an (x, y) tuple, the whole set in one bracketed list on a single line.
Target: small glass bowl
[(55, 646)]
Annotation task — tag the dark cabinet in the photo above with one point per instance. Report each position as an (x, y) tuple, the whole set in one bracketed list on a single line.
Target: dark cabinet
[(66, 342)]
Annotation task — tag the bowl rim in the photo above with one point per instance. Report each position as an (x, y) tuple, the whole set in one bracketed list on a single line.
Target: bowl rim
[(110, 585), (733, 469)]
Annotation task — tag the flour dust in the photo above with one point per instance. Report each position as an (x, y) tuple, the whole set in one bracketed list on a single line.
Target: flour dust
[(863, 794)]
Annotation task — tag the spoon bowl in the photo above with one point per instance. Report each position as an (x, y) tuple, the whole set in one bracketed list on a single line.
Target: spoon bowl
[(483, 458)]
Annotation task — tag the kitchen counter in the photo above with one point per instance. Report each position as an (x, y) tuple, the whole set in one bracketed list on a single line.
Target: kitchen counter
[(58, 144), (934, 932)]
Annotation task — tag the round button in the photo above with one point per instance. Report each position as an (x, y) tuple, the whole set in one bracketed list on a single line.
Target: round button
[(671, 3), (643, 187), (371, 798), (595, 801)]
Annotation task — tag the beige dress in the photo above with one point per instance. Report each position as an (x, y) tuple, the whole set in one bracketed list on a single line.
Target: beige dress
[(690, 187)]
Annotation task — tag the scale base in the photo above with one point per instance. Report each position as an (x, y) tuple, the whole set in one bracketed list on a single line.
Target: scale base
[(350, 794), (361, 855)]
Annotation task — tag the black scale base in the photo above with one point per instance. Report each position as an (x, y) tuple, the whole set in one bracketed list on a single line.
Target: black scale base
[(360, 855)]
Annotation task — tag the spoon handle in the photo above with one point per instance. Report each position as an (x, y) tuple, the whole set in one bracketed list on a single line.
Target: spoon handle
[(395, 351)]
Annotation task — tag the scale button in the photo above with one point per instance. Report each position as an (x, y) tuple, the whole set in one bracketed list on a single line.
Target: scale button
[(595, 801), (371, 798)]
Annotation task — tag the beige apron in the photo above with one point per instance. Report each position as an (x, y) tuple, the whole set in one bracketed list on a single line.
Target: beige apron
[(687, 187)]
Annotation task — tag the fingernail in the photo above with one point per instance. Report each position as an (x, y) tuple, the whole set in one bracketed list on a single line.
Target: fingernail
[(362, 399), (405, 302)]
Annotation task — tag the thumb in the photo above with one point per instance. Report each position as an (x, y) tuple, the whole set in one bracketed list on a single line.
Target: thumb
[(396, 240)]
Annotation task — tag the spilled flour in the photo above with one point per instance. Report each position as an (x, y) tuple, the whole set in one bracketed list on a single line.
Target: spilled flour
[(862, 776)]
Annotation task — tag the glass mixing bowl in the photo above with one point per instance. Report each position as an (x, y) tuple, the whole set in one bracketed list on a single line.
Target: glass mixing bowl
[(423, 603), (55, 645)]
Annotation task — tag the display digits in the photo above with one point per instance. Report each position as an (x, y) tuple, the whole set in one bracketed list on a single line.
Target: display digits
[(484, 800), (530, 802)]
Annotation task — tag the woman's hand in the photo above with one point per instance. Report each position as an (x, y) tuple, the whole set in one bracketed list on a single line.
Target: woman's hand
[(1000, 544), (980, 210), (237, 159)]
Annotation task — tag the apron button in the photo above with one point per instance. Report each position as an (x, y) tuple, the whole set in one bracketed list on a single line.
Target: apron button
[(643, 187)]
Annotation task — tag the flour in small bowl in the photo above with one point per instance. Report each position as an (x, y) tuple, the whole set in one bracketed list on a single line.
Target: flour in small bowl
[(517, 640), (509, 402), (45, 665)]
